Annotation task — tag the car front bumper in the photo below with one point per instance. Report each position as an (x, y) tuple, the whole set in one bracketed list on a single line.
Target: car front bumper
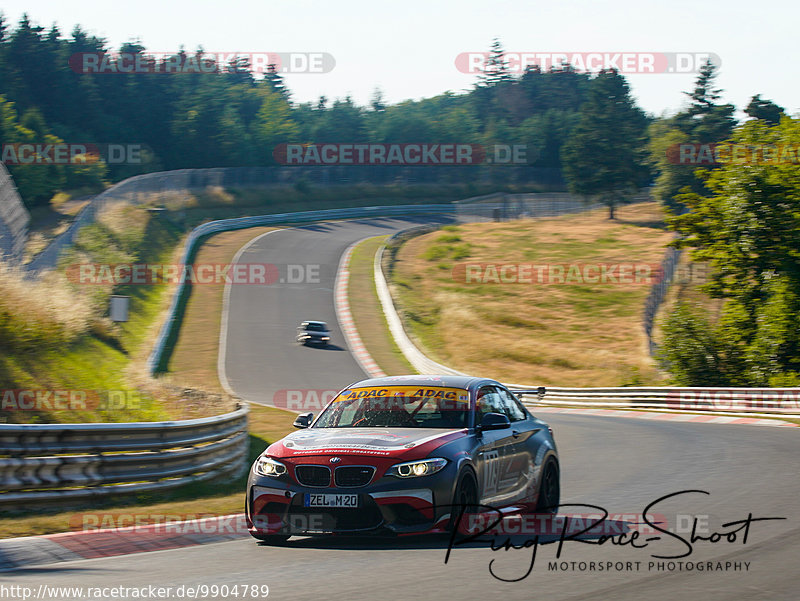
[(390, 506)]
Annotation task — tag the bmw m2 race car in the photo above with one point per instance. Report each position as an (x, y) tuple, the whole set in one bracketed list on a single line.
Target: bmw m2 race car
[(403, 455)]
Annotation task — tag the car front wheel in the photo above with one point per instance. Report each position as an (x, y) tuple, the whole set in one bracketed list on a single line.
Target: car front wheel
[(549, 488), (465, 498)]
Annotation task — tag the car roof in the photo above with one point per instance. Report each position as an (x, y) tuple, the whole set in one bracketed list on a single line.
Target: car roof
[(310, 321), (444, 380)]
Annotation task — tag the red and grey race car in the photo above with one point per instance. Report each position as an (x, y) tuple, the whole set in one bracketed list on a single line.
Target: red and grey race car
[(401, 455)]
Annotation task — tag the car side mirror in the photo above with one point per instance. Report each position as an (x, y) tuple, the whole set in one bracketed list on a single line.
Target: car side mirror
[(303, 420), (495, 421)]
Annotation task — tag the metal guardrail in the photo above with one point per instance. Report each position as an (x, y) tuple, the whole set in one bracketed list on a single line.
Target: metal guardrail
[(781, 401), (58, 464), (157, 358)]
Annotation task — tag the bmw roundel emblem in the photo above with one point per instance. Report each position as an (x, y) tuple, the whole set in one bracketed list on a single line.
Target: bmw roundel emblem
[(335, 459)]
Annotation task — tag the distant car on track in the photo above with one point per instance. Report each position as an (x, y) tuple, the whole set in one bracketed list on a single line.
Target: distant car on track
[(313, 332), (401, 455)]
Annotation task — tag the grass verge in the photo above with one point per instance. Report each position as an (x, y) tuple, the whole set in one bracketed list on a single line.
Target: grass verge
[(570, 334)]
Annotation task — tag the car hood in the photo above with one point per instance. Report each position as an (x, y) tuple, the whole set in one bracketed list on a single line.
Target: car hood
[(377, 442)]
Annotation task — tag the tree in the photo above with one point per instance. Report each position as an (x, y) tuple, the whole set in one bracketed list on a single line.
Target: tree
[(273, 125), (764, 109), (344, 122), (603, 156), (275, 82), (377, 102), (702, 122), (495, 68), (705, 95), (748, 231), (694, 352)]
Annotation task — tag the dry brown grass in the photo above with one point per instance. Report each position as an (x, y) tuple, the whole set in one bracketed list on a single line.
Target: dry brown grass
[(564, 335), (30, 309)]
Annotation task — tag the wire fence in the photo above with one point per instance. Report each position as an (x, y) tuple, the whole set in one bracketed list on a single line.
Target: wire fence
[(502, 207), (658, 292), (14, 219)]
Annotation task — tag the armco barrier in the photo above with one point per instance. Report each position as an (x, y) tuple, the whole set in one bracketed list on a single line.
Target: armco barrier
[(751, 401), (61, 464), (156, 361)]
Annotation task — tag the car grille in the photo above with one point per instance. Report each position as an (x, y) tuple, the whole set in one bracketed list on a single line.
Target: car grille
[(317, 476), (353, 475), (299, 519)]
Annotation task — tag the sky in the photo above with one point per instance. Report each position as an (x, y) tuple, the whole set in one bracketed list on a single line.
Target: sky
[(408, 49)]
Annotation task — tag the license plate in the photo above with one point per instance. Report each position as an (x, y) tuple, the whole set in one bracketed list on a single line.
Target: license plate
[(330, 500)]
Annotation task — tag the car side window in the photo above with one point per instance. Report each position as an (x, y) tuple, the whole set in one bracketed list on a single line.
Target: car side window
[(513, 408), (489, 401)]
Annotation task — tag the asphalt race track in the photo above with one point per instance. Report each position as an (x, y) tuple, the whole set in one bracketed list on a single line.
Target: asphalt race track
[(621, 465)]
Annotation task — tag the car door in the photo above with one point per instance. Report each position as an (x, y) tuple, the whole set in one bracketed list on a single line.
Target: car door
[(525, 444), (494, 451)]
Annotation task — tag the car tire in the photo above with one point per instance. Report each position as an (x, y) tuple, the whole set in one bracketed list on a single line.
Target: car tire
[(466, 494), (271, 539), (549, 488)]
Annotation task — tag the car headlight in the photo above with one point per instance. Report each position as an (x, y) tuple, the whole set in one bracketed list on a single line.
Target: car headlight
[(325, 338), (267, 466), (414, 469)]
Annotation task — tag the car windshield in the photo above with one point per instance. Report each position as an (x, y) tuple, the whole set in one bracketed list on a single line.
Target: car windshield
[(315, 327), (397, 407)]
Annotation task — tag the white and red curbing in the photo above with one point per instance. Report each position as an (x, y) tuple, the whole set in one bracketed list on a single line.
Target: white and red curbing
[(345, 317), (112, 542)]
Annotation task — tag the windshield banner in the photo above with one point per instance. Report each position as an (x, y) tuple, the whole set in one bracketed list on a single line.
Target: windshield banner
[(455, 395)]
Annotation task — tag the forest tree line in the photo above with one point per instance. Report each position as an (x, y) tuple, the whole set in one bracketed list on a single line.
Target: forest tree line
[(741, 218)]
